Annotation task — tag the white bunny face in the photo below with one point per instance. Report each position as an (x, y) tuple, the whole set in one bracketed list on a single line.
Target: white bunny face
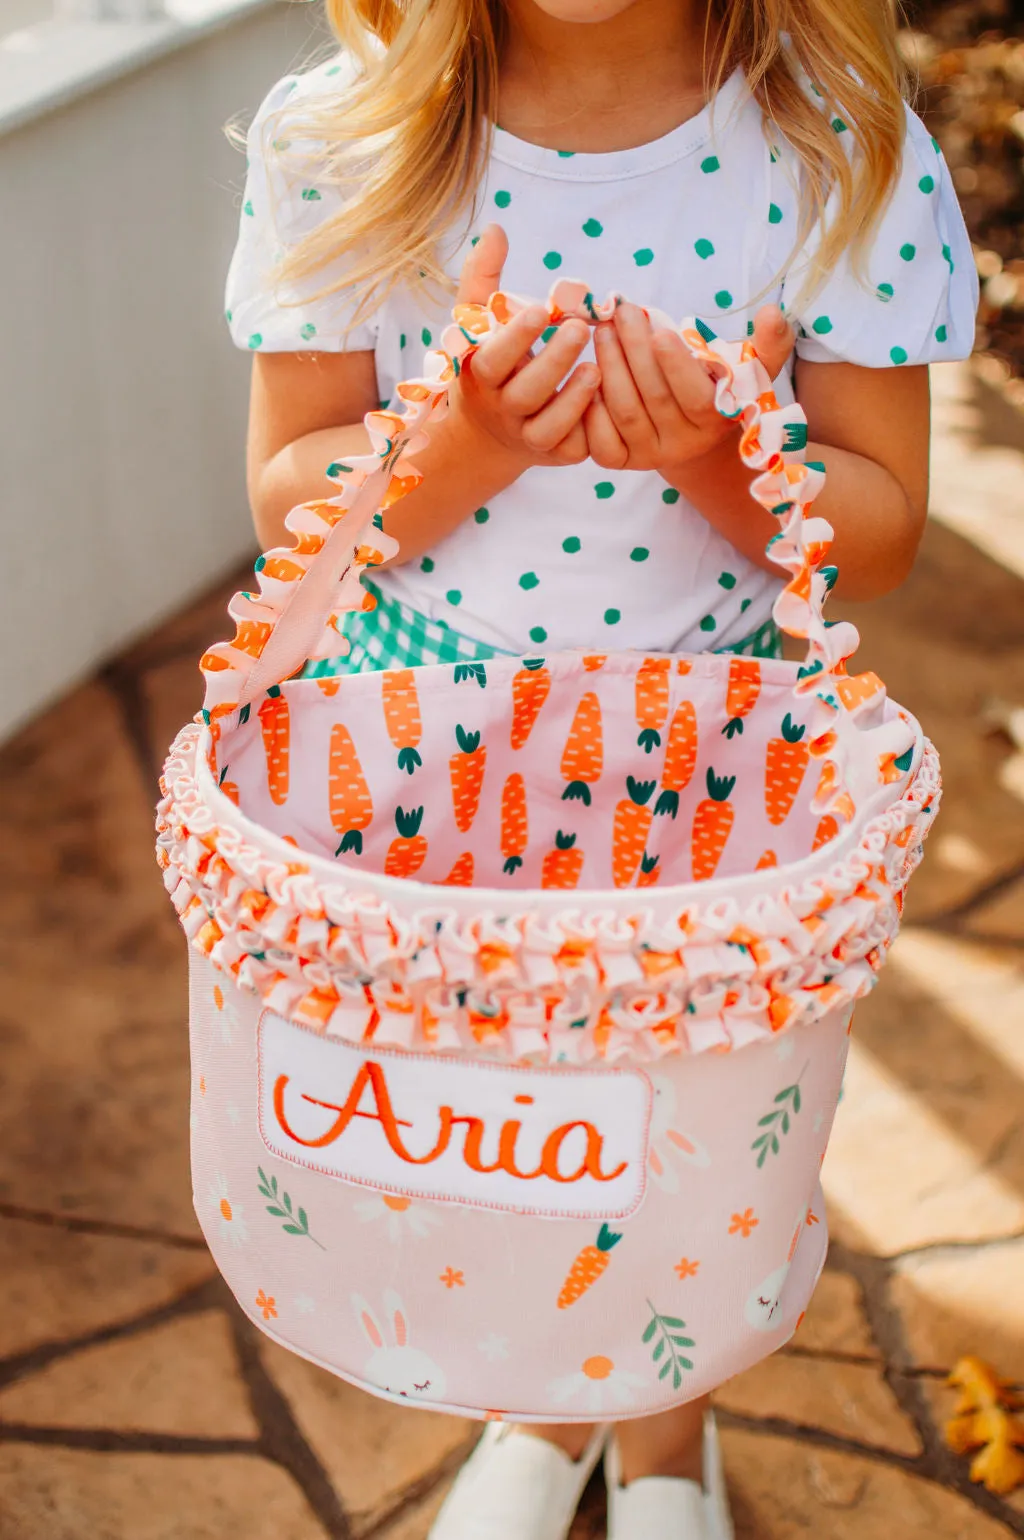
[(394, 1366), (668, 1143)]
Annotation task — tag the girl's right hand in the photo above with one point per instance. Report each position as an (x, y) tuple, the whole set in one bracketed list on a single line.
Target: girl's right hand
[(507, 395)]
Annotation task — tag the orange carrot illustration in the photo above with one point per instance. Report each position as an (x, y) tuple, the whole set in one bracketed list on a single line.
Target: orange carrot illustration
[(652, 701), (743, 690), (280, 567), (461, 874), (784, 768), (229, 788), (274, 721), (593, 661), (587, 1268), (563, 863), (827, 830), (513, 822), (766, 859), (349, 800), (649, 871), (583, 759), (408, 851), (711, 825), (402, 716), (467, 767), (680, 758), (329, 683), (530, 688), (631, 828)]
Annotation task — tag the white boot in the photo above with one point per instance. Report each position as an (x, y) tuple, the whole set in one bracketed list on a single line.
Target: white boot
[(515, 1486), (667, 1507)]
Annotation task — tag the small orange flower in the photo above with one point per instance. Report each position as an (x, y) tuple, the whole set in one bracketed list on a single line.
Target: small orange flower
[(744, 1224), (686, 1268), (452, 1279), (812, 1218), (202, 1085), (267, 1304)]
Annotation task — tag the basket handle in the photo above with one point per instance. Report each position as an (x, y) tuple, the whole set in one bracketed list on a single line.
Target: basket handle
[(305, 589)]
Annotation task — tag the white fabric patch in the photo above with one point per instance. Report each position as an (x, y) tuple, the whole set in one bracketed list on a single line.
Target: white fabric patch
[(568, 1143)]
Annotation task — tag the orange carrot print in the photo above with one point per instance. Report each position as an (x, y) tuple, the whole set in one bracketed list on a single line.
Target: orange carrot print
[(563, 863), (402, 716), (649, 871), (711, 825), (784, 768), (630, 830), (680, 758), (408, 850), (229, 788), (587, 1268), (513, 823), (583, 759), (329, 683), (467, 774), (276, 727), (742, 692), (531, 686), (461, 874), (767, 859), (652, 701), (349, 800), (827, 830)]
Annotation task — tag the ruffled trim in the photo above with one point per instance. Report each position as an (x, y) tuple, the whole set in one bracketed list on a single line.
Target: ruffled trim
[(598, 981)]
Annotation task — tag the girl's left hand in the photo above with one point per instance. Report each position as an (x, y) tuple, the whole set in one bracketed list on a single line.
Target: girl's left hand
[(655, 409)]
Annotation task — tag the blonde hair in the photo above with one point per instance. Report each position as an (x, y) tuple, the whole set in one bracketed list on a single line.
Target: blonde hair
[(407, 139)]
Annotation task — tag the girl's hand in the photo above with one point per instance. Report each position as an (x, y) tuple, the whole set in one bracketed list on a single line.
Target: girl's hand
[(656, 406), (508, 396)]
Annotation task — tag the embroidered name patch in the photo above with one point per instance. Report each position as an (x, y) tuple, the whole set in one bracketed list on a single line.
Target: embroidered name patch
[(546, 1141)]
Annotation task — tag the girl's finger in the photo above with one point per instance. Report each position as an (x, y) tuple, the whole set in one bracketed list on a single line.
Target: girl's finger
[(603, 438), (636, 337), (622, 400), (481, 271), (541, 376), (773, 339), (692, 387), (546, 429), (503, 351), (573, 448)]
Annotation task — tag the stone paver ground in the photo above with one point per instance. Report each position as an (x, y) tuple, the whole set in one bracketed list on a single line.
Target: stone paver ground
[(135, 1401)]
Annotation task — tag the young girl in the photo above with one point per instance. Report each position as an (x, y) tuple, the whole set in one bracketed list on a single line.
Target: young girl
[(747, 161)]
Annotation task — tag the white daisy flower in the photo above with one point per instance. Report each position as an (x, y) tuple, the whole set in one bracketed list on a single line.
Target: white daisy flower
[(785, 1047), (227, 1016), (598, 1385), (494, 1348), (305, 1304), (400, 1215), (232, 1216), (234, 1114)]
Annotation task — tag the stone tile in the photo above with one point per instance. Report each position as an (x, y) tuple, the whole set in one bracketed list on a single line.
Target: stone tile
[(835, 1321), (928, 1144), (957, 1302), (1003, 916), (56, 1285), (414, 1522), (180, 1378), (370, 1449), (93, 1019), (850, 1400), (66, 1494), (782, 1490)]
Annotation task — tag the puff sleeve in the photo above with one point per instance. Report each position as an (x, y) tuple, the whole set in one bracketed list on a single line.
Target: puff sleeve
[(280, 205), (917, 300)]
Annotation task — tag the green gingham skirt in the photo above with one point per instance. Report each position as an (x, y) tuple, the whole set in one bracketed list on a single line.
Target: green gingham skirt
[(395, 636)]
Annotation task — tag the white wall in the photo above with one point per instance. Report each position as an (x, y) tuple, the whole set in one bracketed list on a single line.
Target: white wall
[(122, 401)]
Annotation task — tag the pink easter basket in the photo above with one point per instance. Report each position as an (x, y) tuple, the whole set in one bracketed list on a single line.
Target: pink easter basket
[(521, 991)]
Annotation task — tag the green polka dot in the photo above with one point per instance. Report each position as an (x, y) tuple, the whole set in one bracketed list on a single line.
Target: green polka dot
[(593, 227), (898, 355), (927, 184), (310, 195), (670, 495), (710, 163), (885, 292), (529, 580), (822, 325), (475, 241), (552, 259), (745, 604), (644, 257), (571, 545), (774, 214), (839, 125), (727, 580), (454, 596), (708, 623), (704, 249), (256, 340), (604, 488), (309, 330), (426, 338), (503, 199), (482, 515), (538, 634), (566, 154), (427, 564), (936, 146), (335, 69), (612, 617), (908, 251), (723, 299), (949, 257), (639, 553), (941, 334), (403, 339), (227, 316), (247, 208), (548, 332)]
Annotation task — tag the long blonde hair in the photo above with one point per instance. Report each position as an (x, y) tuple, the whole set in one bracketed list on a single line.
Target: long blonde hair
[(407, 139)]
